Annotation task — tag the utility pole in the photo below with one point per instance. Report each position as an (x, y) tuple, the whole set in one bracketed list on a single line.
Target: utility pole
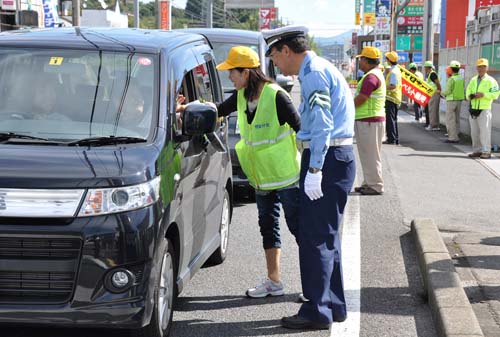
[(76, 13), (210, 13), (394, 21), (136, 13), (428, 37)]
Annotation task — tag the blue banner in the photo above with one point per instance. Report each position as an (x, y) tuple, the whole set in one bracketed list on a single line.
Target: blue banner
[(50, 15)]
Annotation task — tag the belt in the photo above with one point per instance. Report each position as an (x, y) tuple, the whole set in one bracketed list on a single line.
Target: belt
[(304, 144)]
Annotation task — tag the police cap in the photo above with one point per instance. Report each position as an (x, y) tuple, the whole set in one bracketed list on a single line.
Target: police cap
[(272, 36)]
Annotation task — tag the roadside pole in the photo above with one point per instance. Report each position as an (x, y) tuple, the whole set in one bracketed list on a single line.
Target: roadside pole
[(394, 20), (428, 45), (210, 13), (76, 13), (136, 13)]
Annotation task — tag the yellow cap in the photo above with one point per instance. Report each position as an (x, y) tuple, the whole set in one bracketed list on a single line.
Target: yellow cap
[(392, 56), (240, 57), (482, 62), (370, 52)]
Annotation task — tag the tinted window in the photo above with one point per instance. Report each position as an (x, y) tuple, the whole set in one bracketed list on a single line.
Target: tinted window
[(74, 94)]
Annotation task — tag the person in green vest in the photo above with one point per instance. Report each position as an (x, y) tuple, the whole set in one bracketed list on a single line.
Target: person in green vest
[(432, 108), (370, 100), (394, 84), (412, 67), (267, 153), (482, 90), (454, 94)]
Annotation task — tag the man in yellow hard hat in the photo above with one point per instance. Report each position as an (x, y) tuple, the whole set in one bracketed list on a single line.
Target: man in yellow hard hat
[(482, 90), (454, 94), (394, 96), (370, 121)]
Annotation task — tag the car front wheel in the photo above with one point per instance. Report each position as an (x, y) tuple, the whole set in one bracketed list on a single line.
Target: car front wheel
[(165, 293)]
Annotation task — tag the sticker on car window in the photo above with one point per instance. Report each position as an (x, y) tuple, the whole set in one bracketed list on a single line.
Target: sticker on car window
[(56, 61)]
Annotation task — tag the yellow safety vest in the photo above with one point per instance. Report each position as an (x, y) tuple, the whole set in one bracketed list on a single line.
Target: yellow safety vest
[(395, 95), (267, 150), (375, 104), (488, 86)]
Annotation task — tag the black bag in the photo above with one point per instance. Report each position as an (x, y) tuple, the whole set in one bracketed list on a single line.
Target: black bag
[(474, 112)]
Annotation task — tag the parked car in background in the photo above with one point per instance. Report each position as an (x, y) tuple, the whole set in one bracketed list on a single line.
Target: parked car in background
[(222, 41), (109, 203)]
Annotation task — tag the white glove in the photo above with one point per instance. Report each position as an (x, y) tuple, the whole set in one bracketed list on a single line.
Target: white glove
[(312, 185)]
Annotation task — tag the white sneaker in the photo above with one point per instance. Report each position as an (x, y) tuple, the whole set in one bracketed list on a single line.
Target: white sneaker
[(428, 128), (266, 288)]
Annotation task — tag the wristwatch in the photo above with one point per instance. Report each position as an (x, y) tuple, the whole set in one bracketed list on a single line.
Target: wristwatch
[(314, 170)]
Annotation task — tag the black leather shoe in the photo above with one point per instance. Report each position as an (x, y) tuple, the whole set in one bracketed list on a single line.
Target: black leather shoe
[(370, 191), (298, 323), (339, 319)]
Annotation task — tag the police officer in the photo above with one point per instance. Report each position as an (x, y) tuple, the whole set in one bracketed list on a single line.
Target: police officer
[(416, 107), (326, 175), (370, 119), (432, 108), (482, 90), (393, 98), (454, 94)]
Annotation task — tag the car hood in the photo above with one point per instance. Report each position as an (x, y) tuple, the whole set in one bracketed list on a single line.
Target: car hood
[(26, 166)]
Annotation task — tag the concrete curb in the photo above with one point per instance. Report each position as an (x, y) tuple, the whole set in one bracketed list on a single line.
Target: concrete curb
[(451, 310)]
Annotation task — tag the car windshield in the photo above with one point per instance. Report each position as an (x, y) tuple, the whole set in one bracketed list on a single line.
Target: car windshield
[(68, 95), (221, 49)]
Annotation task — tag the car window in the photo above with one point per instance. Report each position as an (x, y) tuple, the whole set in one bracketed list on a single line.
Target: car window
[(220, 51), (202, 83), (68, 95)]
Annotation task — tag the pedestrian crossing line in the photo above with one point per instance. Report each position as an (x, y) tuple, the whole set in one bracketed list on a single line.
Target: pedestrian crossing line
[(351, 262)]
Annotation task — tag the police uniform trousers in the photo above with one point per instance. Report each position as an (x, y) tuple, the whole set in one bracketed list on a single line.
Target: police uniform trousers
[(318, 235)]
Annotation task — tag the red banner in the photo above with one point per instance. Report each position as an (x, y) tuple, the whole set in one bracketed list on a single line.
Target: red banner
[(165, 15), (416, 88)]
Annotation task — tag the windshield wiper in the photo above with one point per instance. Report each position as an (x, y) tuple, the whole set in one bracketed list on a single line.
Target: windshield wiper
[(106, 140), (9, 135)]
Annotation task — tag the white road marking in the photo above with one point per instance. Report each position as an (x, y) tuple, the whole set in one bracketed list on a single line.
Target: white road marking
[(351, 263)]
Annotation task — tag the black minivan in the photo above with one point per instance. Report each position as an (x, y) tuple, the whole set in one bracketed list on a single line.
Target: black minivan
[(110, 201)]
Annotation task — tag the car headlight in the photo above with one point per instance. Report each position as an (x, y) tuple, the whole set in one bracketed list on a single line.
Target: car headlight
[(120, 199)]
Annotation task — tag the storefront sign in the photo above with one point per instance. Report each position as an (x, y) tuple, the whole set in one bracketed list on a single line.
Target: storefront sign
[(9, 5), (410, 30), (410, 20)]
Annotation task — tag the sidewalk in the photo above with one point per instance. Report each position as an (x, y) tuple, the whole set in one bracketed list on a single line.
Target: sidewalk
[(474, 253)]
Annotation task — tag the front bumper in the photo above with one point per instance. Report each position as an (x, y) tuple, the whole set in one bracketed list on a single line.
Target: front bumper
[(55, 274)]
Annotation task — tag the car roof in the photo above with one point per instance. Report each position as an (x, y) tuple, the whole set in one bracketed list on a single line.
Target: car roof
[(227, 34), (112, 39)]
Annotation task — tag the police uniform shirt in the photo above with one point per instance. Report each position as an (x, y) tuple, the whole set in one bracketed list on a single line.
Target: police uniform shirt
[(326, 108)]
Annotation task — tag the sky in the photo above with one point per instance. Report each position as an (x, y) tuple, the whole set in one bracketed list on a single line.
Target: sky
[(324, 18)]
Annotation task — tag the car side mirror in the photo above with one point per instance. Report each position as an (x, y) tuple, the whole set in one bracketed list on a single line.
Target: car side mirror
[(199, 119)]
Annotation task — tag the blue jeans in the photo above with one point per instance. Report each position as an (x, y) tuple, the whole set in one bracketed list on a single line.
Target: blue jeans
[(319, 241), (268, 206)]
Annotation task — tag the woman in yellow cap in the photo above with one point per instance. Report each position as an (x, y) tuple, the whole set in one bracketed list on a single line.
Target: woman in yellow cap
[(267, 153)]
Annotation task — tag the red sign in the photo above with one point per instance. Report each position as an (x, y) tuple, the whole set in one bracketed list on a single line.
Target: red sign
[(487, 3), (165, 15), (410, 21), (266, 16)]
